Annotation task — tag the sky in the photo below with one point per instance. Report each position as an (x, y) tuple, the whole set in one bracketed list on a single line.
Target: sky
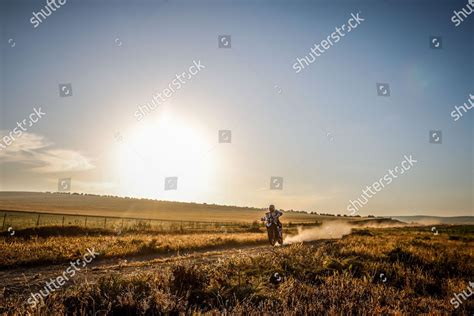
[(324, 130)]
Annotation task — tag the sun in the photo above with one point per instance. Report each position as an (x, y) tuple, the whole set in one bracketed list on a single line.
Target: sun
[(164, 147)]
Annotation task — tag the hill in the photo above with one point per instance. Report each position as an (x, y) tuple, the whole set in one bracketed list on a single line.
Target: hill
[(436, 220), (84, 204)]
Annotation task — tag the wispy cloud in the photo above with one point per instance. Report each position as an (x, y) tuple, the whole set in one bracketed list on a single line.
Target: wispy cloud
[(40, 155)]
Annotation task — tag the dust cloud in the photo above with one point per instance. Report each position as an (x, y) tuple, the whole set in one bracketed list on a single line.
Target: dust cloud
[(328, 230), (333, 230)]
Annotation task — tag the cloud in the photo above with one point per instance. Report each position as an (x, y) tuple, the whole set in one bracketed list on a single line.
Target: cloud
[(36, 152), (26, 142)]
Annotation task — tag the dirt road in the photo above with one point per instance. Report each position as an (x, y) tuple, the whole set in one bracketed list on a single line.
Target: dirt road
[(23, 281)]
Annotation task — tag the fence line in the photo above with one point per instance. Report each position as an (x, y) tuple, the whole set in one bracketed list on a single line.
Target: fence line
[(28, 219), (114, 217)]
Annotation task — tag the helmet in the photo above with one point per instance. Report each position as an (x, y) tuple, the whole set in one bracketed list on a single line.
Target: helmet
[(271, 207)]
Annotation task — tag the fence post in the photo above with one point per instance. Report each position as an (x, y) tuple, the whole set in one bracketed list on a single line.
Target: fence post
[(4, 218), (105, 222), (122, 225), (85, 224), (63, 222), (38, 220)]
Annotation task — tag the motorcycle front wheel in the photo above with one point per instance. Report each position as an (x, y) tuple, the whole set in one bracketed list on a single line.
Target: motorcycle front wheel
[(272, 235)]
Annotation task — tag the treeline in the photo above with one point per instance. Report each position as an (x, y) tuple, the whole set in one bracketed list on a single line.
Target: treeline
[(328, 214), (213, 204)]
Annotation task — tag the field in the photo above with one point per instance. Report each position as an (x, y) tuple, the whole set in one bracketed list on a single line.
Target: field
[(22, 210), (403, 270), (153, 257), (92, 205)]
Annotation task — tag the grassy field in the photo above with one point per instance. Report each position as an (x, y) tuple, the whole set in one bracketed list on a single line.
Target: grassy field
[(226, 265), (18, 220), (48, 245), (373, 271), (21, 210), (139, 208)]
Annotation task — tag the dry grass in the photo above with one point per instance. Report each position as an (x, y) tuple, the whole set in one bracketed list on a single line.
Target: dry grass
[(36, 250), (139, 208), (422, 272), (121, 207)]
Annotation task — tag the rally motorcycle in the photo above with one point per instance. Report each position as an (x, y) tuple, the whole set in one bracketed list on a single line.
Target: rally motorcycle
[(274, 229)]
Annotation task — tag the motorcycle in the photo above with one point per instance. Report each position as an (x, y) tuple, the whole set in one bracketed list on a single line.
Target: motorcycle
[(274, 229)]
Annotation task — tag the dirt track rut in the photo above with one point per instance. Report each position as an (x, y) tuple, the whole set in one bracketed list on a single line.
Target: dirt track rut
[(23, 281)]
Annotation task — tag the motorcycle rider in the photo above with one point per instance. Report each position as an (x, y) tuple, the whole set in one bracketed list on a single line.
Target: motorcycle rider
[(273, 217)]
